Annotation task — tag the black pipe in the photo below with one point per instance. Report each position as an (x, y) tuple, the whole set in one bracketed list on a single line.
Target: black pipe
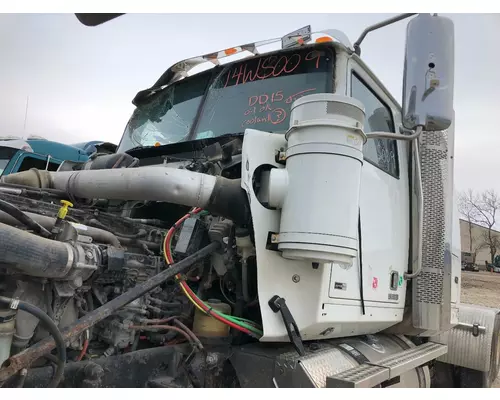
[(22, 217), (34, 255), (54, 331), (36, 351), (229, 200)]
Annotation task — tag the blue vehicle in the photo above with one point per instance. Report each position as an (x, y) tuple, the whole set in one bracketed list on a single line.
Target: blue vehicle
[(17, 154)]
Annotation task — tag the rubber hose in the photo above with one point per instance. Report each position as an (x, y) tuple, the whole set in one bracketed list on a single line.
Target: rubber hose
[(51, 327), (34, 255), (16, 213)]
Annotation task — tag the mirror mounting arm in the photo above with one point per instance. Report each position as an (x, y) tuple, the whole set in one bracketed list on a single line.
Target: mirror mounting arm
[(395, 136), (357, 44)]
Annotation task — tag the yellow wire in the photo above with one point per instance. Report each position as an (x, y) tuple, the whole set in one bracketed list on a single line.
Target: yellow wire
[(191, 299), (180, 283), (169, 262)]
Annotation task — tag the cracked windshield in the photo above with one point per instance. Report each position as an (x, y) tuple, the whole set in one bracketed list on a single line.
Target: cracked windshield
[(252, 94)]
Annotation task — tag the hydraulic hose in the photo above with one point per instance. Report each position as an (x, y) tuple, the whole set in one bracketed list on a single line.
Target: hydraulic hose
[(51, 327), (25, 358), (22, 217)]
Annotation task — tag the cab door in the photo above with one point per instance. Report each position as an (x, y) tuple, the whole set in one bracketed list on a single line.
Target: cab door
[(384, 197)]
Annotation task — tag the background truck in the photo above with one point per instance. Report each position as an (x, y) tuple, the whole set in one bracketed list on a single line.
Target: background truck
[(272, 218), (495, 266), (18, 154), (468, 262)]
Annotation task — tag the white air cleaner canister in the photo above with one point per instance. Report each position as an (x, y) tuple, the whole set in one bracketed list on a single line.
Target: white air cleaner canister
[(318, 191)]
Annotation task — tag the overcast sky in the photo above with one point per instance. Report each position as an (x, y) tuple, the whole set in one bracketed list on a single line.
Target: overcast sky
[(80, 80)]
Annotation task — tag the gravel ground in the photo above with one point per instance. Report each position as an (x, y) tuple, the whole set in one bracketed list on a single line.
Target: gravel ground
[(481, 288)]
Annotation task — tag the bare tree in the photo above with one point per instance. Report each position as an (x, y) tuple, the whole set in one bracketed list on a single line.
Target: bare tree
[(491, 240), (486, 210), (466, 207), (478, 243)]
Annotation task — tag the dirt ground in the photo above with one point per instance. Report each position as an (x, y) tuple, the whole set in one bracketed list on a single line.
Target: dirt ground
[(482, 288)]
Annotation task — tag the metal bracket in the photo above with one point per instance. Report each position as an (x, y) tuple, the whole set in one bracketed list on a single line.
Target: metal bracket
[(476, 328), (272, 241), (280, 157)]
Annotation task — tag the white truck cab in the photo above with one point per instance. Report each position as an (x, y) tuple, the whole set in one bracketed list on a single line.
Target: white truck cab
[(342, 203)]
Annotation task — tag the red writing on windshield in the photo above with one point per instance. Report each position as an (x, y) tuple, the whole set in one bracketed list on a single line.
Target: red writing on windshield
[(272, 66), (313, 56), (262, 107), (275, 117), (265, 100)]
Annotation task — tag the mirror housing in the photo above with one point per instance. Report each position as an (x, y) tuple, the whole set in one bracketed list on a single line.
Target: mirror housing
[(429, 73)]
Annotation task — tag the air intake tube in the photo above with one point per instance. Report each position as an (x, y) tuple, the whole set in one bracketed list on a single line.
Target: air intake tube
[(34, 255), (219, 195)]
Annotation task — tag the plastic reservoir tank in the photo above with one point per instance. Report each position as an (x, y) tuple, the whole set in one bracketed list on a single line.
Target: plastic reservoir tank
[(7, 329)]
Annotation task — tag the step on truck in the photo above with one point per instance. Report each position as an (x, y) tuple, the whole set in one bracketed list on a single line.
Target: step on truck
[(272, 218)]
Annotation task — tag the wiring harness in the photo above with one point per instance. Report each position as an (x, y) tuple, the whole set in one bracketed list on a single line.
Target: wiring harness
[(240, 324)]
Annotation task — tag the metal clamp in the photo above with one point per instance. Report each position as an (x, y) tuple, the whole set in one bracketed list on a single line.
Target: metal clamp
[(14, 304)]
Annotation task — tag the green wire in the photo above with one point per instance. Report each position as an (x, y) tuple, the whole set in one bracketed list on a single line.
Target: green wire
[(244, 319), (249, 322), (244, 323), (236, 321)]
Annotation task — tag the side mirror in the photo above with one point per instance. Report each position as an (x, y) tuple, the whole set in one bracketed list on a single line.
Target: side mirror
[(429, 73)]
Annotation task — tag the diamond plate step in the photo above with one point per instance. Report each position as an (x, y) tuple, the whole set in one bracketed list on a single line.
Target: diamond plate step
[(371, 374)]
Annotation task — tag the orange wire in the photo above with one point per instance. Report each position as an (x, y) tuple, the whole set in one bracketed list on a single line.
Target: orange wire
[(185, 288)]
